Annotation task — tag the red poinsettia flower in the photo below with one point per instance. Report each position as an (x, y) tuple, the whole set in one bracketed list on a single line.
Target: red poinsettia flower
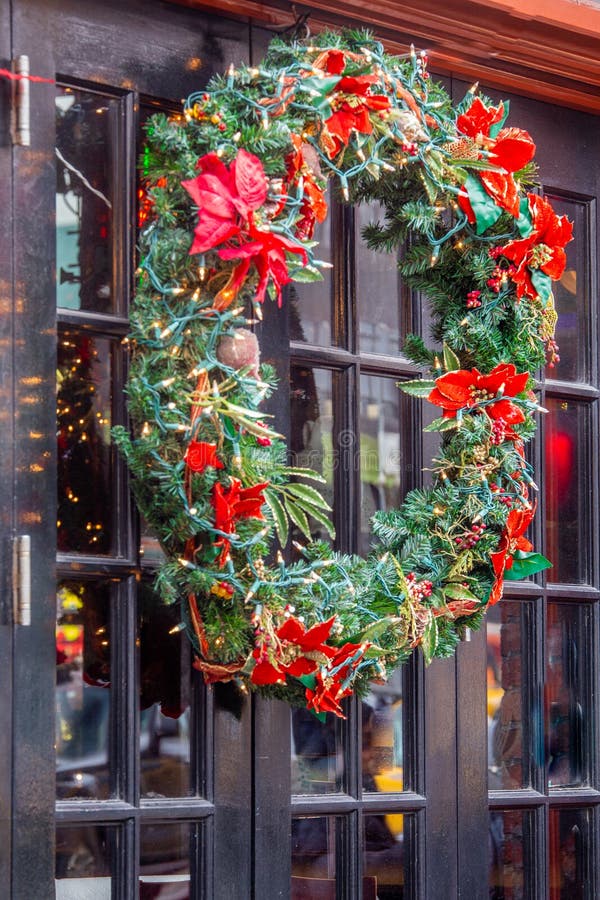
[(511, 149), (303, 162), (542, 249), (329, 688), (465, 389), (295, 651), (512, 539), (201, 454), (227, 199), (351, 101), (233, 503)]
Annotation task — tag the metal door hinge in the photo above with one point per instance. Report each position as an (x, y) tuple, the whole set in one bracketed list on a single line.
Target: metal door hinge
[(21, 563), (21, 118)]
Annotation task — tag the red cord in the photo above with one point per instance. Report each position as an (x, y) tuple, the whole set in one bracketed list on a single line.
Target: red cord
[(13, 76)]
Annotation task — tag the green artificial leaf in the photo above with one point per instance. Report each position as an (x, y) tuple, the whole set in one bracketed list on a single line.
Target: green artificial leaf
[(486, 211), (417, 388), (298, 517), (526, 564), (310, 682), (429, 640), (300, 472), (309, 494), (451, 360), (306, 274), (441, 424), (477, 164), (318, 85), (455, 591), (279, 516), (543, 285), (377, 628), (320, 516), (524, 223), (495, 128)]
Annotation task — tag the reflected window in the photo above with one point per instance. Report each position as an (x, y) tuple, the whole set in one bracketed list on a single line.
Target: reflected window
[(165, 872), (85, 862), (382, 736), (378, 290), (83, 692), (85, 138), (84, 460)]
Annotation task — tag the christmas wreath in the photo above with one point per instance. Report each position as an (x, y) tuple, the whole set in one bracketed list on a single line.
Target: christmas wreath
[(233, 189)]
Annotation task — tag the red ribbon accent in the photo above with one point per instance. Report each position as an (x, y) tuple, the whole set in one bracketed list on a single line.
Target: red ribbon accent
[(13, 76)]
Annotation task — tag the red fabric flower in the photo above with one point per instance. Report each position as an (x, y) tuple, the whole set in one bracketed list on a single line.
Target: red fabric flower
[(201, 454), (314, 206), (511, 149), (512, 539), (295, 652), (351, 100), (542, 249), (329, 689), (465, 389), (227, 199), (233, 503)]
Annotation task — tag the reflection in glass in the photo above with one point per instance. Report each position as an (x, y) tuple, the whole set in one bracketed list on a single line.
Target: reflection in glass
[(378, 291), (85, 134), (311, 439), (571, 296), (83, 694), (311, 305), (317, 753), (570, 854), (567, 490), (85, 862), (510, 864), (83, 407), (314, 841), (165, 861), (385, 852), (506, 658), (382, 729), (381, 458), (568, 706), (164, 699)]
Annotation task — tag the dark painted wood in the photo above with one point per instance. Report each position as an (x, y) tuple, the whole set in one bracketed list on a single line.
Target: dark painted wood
[(6, 449)]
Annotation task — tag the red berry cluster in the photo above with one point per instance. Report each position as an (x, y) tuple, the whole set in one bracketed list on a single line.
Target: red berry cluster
[(506, 499), (552, 352), (418, 589), (263, 441), (498, 435), (473, 300), (500, 273), (410, 147), (469, 538)]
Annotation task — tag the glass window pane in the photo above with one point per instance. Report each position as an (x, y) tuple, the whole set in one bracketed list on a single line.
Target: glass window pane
[(311, 305), (572, 296), (85, 470), (382, 733), (311, 438), (83, 692), (165, 860), (164, 699), (85, 136), (567, 490), (85, 862), (510, 854), (378, 291), (317, 753), (569, 709), (509, 725), (382, 462), (570, 855), (314, 843), (386, 854)]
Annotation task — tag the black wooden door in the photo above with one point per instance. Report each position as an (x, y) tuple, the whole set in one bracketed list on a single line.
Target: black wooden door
[(112, 792)]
